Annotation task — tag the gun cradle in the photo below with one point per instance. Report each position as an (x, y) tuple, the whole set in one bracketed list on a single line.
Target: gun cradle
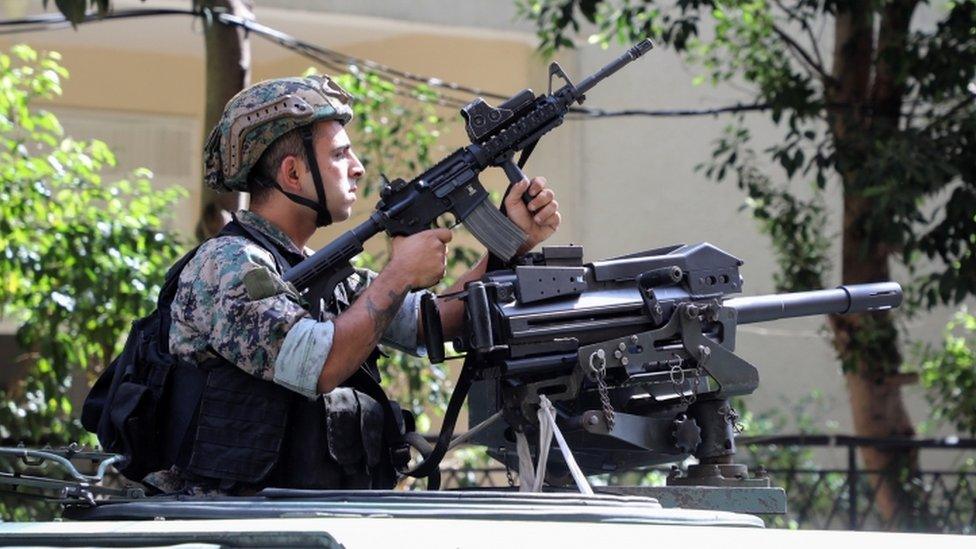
[(636, 352)]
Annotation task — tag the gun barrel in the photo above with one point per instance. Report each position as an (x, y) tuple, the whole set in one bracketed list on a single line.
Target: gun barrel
[(854, 298), (633, 53)]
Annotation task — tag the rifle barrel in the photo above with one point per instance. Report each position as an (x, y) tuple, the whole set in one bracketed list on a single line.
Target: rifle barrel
[(633, 53), (853, 298)]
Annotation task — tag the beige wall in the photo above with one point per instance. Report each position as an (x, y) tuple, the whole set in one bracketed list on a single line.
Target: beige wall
[(624, 184), (153, 68)]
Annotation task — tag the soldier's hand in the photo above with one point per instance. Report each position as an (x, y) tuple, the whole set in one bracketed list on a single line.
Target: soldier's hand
[(421, 258), (540, 218)]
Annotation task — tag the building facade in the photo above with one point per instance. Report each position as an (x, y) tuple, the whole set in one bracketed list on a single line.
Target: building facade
[(623, 184)]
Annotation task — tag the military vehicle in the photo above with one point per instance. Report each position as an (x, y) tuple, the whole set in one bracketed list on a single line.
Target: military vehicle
[(633, 360), (624, 362)]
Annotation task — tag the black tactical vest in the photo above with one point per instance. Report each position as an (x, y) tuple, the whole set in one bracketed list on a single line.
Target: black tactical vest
[(249, 432), (227, 429)]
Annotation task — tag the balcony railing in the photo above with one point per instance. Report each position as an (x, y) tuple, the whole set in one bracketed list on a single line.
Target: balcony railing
[(829, 498)]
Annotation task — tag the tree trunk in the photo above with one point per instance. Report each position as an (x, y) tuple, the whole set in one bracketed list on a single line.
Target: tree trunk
[(868, 344), (228, 72)]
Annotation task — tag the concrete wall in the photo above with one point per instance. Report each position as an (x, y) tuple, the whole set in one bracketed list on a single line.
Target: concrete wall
[(624, 184)]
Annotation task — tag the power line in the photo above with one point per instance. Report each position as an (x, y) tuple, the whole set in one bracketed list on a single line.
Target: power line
[(55, 21), (348, 64), (406, 84), (333, 60), (374, 66)]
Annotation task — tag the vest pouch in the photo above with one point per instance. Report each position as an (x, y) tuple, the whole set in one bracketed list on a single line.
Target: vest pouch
[(240, 426), (354, 426), (132, 419), (371, 428), (342, 426)]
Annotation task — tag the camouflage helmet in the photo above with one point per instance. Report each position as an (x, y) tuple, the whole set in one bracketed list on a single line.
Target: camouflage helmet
[(257, 116)]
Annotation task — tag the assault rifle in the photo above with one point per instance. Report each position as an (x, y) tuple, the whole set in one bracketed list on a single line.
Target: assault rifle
[(452, 186), (636, 353)]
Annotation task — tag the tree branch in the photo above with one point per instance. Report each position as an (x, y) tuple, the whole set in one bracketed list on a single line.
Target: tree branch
[(964, 102), (888, 90), (810, 62), (792, 14)]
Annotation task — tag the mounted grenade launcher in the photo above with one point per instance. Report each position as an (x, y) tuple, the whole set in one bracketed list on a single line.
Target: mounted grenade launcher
[(452, 187), (636, 353)]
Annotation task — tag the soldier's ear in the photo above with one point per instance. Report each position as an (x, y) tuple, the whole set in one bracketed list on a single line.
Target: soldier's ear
[(289, 173)]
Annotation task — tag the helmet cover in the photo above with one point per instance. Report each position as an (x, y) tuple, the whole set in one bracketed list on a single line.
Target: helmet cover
[(257, 116)]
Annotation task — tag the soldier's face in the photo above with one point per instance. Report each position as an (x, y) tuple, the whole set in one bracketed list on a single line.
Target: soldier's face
[(339, 167)]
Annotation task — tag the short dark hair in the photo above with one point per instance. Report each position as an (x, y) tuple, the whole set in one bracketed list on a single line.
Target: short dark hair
[(261, 179)]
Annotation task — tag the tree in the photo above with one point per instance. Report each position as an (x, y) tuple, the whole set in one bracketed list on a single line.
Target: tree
[(884, 114), (228, 71), (949, 373), (81, 257)]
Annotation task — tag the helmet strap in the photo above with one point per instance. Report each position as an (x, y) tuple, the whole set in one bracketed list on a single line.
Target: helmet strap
[(322, 215)]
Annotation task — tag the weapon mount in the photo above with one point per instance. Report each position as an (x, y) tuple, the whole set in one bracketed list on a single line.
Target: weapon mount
[(637, 353)]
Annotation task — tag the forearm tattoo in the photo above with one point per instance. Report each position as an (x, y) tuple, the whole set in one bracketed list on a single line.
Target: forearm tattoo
[(382, 316)]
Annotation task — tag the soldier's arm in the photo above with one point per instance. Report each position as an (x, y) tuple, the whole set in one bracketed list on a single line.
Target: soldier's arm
[(231, 302), (359, 328), (452, 311), (417, 262)]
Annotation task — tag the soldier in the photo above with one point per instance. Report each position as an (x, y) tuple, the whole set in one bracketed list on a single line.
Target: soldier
[(276, 407)]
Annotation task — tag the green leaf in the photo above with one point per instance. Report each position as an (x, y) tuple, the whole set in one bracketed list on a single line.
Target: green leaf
[(73, 10), (70, 258)]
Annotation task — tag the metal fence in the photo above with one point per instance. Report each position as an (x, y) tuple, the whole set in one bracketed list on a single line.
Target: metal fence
[(828, 498)]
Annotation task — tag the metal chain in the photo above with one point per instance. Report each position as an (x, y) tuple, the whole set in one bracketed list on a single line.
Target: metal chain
[(508, 475), (677, 374), (598, 369), (678, 378), (608, 413), (704, 353)]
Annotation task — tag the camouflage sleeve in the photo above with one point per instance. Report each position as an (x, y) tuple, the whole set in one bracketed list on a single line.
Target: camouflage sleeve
[(302, 356), (402, 331), (239, 304)]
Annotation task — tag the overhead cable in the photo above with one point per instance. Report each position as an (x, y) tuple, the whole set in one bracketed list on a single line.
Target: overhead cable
[(406, 84)]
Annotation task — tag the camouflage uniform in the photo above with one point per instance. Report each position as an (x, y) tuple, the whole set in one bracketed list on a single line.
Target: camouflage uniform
[(231, 300)]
